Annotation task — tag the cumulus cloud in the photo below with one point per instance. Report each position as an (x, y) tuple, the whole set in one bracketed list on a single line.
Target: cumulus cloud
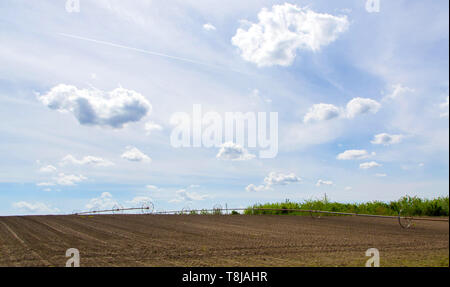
[(104, 202), (69, 179), (209, 27), (387, 139), (87, 160), (359, 106), (321, 112), (134, 154), (274, 179), (183, 195), (321, 182), (47, 169), (35, 208), (369, 165), (380, 175), (355, 155), (235, 152), (283, 30), (94, 107), (63, 179), (151, 126)]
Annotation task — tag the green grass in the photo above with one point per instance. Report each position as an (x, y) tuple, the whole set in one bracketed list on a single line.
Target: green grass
[(412, 206)]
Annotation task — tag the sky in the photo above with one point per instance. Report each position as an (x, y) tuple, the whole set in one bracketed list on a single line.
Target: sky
[(93, 91)]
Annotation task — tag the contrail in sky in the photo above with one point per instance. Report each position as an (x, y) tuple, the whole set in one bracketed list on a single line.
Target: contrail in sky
[(145, 51)]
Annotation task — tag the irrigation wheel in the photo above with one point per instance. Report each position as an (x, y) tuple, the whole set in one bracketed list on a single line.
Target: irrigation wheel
[(147, 207), (217, 209), (186, 210), (315, 215), (405, 219)]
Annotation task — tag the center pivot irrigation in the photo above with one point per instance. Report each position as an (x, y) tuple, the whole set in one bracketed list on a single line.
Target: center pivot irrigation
[(404, 220), (146, 208)]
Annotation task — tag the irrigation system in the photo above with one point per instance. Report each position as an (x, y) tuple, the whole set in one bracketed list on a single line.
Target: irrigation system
[(404, 220)]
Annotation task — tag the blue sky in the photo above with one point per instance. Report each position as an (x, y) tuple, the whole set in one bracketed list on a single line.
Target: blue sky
[(340, 77)]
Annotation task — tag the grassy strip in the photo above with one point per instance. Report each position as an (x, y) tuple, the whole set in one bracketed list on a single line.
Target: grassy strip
[(412, 206)]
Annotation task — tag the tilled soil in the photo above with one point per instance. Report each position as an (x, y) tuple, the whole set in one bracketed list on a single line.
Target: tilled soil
[(197, 240)]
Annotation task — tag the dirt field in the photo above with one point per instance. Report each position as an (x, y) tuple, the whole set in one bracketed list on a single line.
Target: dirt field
[(184, 240)]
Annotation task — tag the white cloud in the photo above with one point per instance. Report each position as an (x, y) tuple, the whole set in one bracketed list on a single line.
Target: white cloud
[(209, 27), (104, 202), (134, 154), (380, 175), (274, 179), (355, 155), (387, 139), (321, 182), (47, 169), (321, 112), (397, 91), (69, 180), (280, 32), (369, 165), (359, 106), (445, 106), (35, 208), (87, 160), (182, 195), (348, 188), (373, 6), (151, 126), (138, 201), (254, 188), (232, 151), (151, 187), (95, 107)]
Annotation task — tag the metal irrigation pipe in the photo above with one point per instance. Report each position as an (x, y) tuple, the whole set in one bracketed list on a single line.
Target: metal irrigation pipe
[(194, 210), (111, 210), (406, 225), (354, 214), (307, 211)]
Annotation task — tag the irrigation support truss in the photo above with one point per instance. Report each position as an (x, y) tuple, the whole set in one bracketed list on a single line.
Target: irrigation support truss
[(108, 210), (404, 221)]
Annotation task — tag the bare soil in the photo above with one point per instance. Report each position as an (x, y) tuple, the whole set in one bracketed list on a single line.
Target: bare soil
[(198, 240)]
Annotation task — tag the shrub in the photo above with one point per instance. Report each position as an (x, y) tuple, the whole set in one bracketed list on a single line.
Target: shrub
[(412, 206)]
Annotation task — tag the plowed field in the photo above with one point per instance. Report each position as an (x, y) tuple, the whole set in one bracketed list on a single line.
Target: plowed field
[(194, 240)]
